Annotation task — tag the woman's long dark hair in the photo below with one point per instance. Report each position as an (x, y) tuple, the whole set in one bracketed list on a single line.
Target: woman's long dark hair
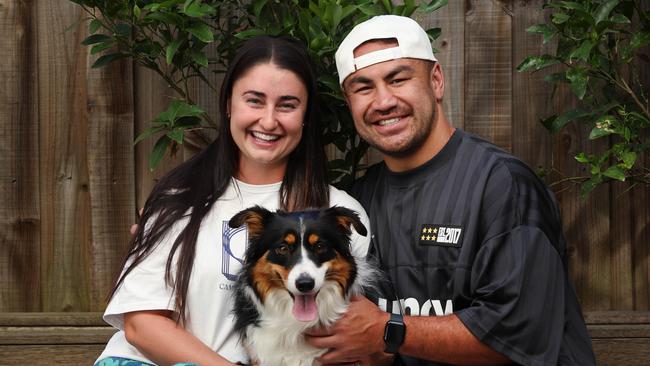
[(194, 186)]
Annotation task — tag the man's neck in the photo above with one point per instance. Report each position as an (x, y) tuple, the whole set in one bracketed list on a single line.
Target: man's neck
[(438, 138)]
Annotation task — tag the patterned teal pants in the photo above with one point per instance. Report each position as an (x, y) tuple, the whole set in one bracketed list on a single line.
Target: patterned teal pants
[(119, 361)]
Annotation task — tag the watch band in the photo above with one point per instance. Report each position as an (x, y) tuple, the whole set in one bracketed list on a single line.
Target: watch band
[(394, 333)]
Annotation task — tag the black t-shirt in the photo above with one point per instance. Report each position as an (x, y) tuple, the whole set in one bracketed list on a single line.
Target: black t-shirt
[(475, 232)]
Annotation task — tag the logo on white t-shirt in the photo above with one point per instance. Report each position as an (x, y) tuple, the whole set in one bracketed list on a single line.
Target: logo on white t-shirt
[(233, 247)]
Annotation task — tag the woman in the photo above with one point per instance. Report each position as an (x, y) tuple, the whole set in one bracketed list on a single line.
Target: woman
[(172, 302)]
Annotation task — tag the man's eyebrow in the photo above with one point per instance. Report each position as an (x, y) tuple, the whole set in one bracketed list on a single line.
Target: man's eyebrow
[(359, 80), (397, 70)]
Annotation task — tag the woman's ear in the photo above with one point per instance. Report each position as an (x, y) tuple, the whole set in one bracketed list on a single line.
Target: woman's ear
[(228, 101)]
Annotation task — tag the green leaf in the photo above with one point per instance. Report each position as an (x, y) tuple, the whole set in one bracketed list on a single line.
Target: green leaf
[(176, 110), (640, 39), (201, 31), (620, 19), (434, 33), (94, 26), (371, 10), (628, 158), (537, 63), (100, 47), (348, 10), (249, 33), (195, 9), (200, 58), (602, 13), (337, 15), (148, 132), (387, 5), (180, 108), (560, 18), (582, 158), (546, 30), (579, 79), (582, 52), (158, 151), (598, 133), (167, 18), (106, 59), (590, 184), (123, 30), (569, 5), (615, 172), (258, 5), (556, 123), (136, 11), (409, 8), (171, 49), (96, 38), (603, 127), (434, 5), (177, 135)]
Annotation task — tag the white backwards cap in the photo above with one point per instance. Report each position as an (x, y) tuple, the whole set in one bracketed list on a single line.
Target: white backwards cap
[(413, 42)]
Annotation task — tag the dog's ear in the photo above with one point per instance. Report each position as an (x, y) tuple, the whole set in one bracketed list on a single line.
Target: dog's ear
[(346, 218), (254, 217)]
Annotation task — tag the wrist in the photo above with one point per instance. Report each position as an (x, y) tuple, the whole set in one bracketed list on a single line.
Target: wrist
[(394, 333)]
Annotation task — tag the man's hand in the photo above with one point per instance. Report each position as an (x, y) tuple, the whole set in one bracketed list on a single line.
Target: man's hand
[(357, 337), (134, 227)]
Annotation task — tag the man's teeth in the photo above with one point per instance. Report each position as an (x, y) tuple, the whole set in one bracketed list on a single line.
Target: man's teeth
[(263, 136), (387, 122)]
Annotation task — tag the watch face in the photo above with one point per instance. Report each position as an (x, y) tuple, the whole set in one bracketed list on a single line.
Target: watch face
[(394, 332)]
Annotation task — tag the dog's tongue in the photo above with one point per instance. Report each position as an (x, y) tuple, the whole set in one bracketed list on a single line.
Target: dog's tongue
[(304, 307)]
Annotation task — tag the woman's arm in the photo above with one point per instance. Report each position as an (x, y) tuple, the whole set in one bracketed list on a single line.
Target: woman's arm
[(165, 342)]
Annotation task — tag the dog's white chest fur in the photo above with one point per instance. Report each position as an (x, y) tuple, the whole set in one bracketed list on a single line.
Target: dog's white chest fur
[(279, 339)]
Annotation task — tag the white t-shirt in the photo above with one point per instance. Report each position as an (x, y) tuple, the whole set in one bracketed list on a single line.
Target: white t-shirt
[(219, 254)]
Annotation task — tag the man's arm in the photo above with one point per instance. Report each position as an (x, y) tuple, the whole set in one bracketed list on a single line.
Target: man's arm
[(358, 335)]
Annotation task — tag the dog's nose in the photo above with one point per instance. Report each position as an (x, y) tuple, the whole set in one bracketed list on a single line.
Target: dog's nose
[(304, 283)]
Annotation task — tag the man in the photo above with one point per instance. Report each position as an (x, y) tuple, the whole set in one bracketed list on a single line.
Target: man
[(469, 237)]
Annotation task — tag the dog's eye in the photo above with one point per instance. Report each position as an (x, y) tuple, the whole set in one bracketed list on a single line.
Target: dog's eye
[(282, 250), (320, 247)]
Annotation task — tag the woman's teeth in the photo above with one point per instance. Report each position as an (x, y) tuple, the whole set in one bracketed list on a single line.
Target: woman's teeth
[(263, 136), (388, 122)]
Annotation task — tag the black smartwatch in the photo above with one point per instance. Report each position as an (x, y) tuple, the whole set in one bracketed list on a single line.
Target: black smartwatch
[(394, 333)]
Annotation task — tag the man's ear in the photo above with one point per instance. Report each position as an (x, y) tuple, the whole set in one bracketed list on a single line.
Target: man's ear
[(345, 96), (437, 81)]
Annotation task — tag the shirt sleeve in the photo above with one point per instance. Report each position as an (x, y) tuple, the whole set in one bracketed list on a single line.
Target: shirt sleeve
[(144, 288), (518, 277), (518, 308)]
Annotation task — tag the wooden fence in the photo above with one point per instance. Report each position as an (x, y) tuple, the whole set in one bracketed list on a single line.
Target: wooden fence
[(71, 179)]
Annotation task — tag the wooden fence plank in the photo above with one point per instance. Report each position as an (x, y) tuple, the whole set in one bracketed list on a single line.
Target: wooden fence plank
[(111, 173), (46, 355), (451, 55), (81, 319), (586, 220), (151, 96), (531, 95), (65, 198), (488, 71), (19, 152)]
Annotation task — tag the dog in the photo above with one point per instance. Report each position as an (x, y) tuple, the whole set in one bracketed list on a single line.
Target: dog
[(299, 272)]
